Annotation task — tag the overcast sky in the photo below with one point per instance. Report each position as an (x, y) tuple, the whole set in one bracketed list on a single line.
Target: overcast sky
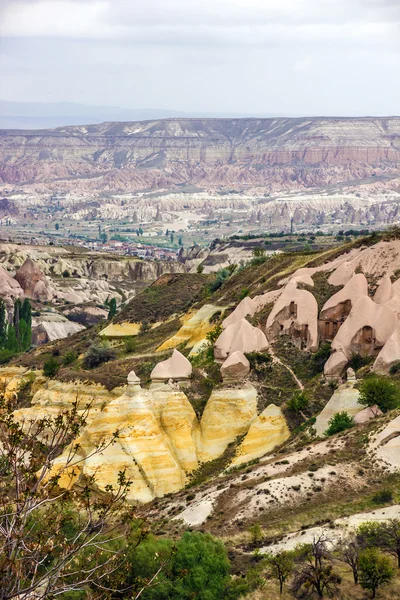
[(287, 57)]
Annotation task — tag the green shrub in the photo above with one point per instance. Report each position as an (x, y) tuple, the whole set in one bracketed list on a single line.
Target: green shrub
[(5, 355), (214, 334), (69, 357), (381, 391), (298, 402), (50, 367), (339, 422), (357, 361), (321, 356), (221, 277), (383, 497), (130, 344), (97, 355), (199, 269), (395, 368), (259, 361), (245, 292)]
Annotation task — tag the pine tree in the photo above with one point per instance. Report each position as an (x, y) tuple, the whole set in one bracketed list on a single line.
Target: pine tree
[(26, 312), (12, 342), (3, 324), (16, 318), (112, 311)]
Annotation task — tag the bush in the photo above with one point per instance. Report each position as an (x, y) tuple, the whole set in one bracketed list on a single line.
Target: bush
[(5, 355), (357, 361), (50, 367), (381, 391), (339, 422), (214, 334), (97, 355), (245, 292), (395, 368), (130, 344), (69, 357), (199, 269), (66, 273), (382, 497), (144, 327), (298, 402), (221, 277), (321, 356)]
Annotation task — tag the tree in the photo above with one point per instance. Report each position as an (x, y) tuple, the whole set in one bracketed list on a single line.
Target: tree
[(103, 237), (298, 403), (381, 391), (112, 310), (57, 226), (26, 312), (199, 269), (180, 243), (375, 570), (48, 545), (339, 422), (315, 572), (214, 334), (3, 324), (280, 567), (16, 318), (385, 536), (349, 553), (171, 237), (197, 566)]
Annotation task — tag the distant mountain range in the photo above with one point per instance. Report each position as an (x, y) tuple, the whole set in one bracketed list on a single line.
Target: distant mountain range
[(46, 115)]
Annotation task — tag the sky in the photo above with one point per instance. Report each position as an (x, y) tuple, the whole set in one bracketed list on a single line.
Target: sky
[(262, 57)]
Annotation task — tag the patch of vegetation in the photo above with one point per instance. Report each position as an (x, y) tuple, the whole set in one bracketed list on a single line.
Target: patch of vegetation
[(51, 367), (379, 391), (97, 355), (339, 422), (69, 358), (170, 294)]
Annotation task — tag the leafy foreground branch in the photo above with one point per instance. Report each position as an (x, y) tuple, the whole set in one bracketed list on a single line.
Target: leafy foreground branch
[(51, 542)]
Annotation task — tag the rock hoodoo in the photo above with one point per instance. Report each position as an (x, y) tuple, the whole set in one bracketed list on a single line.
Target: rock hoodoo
[(9, 288), (267, 431), (236, 367), (344, 399), (366, 329), (336, 310), (390, 353), (34, 282), (295, 313), (240, 336), (177, 368)]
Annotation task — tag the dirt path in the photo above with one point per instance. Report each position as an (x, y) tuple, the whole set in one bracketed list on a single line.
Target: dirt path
[(278, 360)]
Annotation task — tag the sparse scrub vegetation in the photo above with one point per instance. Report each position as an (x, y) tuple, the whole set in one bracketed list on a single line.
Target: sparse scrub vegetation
[(380, 391), (339, 422), (97, 355)]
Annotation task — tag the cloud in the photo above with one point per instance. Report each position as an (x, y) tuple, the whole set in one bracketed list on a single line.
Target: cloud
[(207, 22)]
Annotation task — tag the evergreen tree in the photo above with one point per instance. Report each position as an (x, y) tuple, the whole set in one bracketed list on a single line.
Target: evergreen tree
[(3, 324), (12, 342), (16, 318), (25, 333), (112, 311), (26, 312)]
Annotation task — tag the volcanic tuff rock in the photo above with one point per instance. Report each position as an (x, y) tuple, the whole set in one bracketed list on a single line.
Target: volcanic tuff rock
[(33, 282), (239, 336), (276, 153), (344, 399), (235, 367)]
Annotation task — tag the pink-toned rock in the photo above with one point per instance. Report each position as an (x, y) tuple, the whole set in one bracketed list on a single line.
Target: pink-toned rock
[(335, 365), (9, 288), (384, 292), (389, 355), (177, 367), (33, 282), (368, 413), (240, 336), (295, 313), (367, 328), (339, 305), (236, 366)]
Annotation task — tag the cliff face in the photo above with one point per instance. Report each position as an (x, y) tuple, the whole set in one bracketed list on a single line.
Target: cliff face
[(277, 153)]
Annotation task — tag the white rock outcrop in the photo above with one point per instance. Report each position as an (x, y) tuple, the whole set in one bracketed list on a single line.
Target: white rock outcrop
[(177, 368), (344, 399), (240, 336)]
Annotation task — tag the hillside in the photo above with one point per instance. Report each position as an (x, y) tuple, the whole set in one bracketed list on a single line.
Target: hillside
[(222, 388), (277, 154)]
